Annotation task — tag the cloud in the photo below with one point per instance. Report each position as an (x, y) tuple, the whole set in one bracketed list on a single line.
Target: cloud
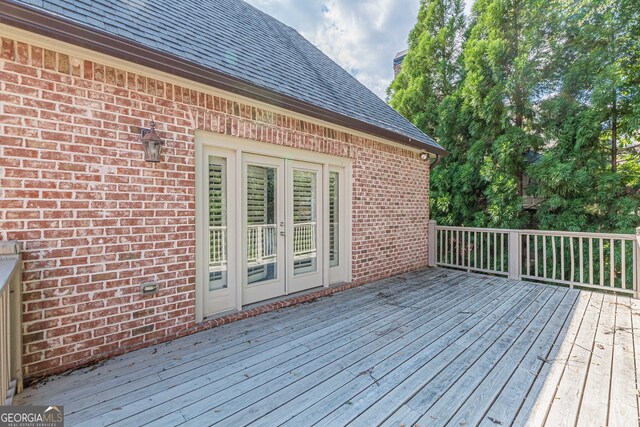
[(362, 36)]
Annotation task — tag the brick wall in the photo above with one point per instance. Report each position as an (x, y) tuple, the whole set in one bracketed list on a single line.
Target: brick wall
[(96, 220)]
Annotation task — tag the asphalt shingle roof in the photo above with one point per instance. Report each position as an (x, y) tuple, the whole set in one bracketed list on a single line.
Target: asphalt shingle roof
[(238, 40)]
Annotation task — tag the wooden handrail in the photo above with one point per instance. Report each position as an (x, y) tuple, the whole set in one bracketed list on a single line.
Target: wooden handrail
[(10, 322)]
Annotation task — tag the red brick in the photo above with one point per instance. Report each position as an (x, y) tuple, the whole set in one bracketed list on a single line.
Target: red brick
[(97, 220)]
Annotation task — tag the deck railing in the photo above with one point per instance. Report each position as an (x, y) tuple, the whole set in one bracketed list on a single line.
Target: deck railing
[(591, 260), (304, 240), (10, 322), (261, 244)]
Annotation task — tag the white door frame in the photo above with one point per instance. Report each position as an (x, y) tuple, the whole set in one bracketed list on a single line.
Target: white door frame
[(208, 140)]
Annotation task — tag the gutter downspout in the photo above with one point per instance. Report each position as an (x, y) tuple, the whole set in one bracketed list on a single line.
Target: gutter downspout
[(435, 163)]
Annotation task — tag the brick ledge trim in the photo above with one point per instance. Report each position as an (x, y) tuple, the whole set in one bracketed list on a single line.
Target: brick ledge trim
[(201, 327)]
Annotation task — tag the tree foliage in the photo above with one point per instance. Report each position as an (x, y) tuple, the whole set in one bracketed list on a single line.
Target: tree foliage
[(533, 98)]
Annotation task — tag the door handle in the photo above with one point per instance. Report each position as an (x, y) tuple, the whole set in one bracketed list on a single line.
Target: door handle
[(282, 233)]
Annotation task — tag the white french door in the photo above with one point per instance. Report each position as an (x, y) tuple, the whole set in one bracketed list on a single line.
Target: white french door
[(264, 231), (305, 222), (283, 227), (267, 226)]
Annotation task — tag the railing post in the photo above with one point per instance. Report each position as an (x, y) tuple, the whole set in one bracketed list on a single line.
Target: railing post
[(515, 255), (432, 239), (11, 250)]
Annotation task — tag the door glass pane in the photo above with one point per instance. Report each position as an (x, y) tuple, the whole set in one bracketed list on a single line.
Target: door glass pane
[(334, 215), (304, 222), (217, 224), (262, 239)]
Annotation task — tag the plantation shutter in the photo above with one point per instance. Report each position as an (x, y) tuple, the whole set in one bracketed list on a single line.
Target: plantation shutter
[(217, 224), (216, 196), (303, 212), (257, 214), (256, 195), (333, 219)]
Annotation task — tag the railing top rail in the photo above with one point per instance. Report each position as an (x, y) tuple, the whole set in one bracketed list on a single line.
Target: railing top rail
[(541, 232), (8, 267)]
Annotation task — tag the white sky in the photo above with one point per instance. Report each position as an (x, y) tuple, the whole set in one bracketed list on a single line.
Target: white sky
[(362, 36)]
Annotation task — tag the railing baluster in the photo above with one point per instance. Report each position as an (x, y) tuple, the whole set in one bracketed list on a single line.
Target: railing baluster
[(489, 251), (601, 263), (458, 247), (528, 255), (535, 241), (446, 246), (553, 242), (561, 257), (544, 256), (581, 260), (572, 260), (463, 252), (590, 260), (481, 250), (624, 265), (502, 252), (469, 250), (495, 251), (612, 263), (475, 249), (452, 251)]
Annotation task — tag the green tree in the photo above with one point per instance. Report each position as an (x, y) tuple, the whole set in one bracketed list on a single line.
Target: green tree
[(426, 92), (585, 119), (430, 71), (505, 60), (547, 90)]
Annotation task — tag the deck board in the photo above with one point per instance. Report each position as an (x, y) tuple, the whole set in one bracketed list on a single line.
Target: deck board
[(262, 364), (435, 347), (568, 396)]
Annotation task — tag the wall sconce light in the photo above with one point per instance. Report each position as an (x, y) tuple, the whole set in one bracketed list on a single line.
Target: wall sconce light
[(152, 143)]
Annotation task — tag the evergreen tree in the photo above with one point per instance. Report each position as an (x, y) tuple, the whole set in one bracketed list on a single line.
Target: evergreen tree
[(505, 58), (430, 70), (426, 92), (543, 89), (584, 120)]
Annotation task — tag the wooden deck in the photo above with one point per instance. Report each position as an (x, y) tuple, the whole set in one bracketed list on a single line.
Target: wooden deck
[(431, 348)]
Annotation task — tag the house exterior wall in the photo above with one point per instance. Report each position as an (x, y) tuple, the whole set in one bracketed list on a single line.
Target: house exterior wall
[(96, 221)]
